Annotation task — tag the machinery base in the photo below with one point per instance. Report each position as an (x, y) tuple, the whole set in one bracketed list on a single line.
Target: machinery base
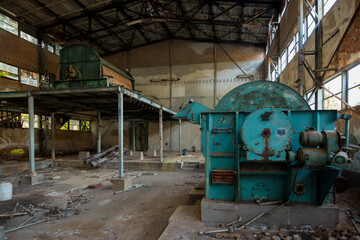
[(294, 215)]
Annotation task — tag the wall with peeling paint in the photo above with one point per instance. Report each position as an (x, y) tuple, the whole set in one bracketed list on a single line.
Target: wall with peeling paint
[(192, 63)]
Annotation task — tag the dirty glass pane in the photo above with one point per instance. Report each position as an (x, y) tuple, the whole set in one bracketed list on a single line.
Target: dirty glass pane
[(8, 24), (50, 48), (28, 37), (354, 96), (328, 5), (8, 71), (354, 76), (29, 78), (283, 60), (332, 103), (74, 125), (334, 86)]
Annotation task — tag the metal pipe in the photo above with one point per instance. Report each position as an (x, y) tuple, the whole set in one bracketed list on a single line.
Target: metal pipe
[(31, 133), (161, 134), (53, 136), (98, 132), (180, 137), (301, 47), (121, 132), (133, 136), (347, 132), (171, 89)]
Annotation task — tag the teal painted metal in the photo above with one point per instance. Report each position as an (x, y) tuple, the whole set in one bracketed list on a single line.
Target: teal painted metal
[(254, 95), (256, 137), (191, 112)]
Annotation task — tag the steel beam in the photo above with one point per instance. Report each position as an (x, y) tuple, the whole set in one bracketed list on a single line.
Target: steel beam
[(180, 137), (53, 136), (31, 133), (161, 134), (121, 131), (98, 132), (133, 136)]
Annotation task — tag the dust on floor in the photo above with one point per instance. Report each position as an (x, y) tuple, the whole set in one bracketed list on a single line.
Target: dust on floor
[(141, 213)]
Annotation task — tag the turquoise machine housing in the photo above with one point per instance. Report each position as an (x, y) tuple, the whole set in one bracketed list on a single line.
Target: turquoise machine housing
[(262, 142)]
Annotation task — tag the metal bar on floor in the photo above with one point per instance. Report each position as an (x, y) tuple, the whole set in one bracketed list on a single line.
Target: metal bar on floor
[(53, 136), (161, 134), (121, 131), (98, 132), (180, 137), (31, 133)]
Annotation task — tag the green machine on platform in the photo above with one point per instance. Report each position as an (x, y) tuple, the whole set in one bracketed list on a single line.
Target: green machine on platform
[(262, 142), (82, 67)]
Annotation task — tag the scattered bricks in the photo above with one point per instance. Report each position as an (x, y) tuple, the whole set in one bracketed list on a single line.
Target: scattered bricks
[(120, 184), (83, 155), (138, 156), (95, 185), (151, 153), (32, 179)]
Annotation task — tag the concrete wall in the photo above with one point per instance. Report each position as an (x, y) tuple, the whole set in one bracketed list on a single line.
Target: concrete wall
[(65, 141), (193, 63)]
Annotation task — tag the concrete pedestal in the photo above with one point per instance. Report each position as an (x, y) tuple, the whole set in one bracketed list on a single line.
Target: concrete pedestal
[(32, 179), (138, 156), (83, 155), (120, 184), (2, 233), (214, 213), (151, 153)]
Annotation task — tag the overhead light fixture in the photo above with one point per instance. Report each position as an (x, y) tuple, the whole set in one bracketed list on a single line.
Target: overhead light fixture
[(134, 22)]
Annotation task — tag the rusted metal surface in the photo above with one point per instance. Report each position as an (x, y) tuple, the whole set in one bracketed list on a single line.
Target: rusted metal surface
[(223, 177)]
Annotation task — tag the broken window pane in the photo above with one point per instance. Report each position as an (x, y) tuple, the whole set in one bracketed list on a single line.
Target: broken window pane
[(74, 125), (8, 71), (29, 78)]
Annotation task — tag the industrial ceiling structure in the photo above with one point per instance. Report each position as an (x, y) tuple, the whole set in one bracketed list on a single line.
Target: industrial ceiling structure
[(110, 26)]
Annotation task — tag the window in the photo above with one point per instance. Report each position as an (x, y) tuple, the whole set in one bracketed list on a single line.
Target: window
[(330, 101), (311, 101), (8, 71), (354, 86), (74, 125), (29, 78), (310, 24), (28, 37), (57, 49), (50, 48), (283, 60), (25, 121), (85, 126), (292, 48), (9, 24), (328, 5)]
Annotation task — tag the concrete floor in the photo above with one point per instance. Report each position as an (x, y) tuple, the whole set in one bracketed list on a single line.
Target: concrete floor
[(141, 213)]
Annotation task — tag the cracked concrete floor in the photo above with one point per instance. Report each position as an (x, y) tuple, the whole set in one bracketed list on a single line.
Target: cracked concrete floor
[(141, 213)]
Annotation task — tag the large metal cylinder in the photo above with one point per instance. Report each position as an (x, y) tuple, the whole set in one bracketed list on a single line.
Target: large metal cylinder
[(312, 157), (310, 138)]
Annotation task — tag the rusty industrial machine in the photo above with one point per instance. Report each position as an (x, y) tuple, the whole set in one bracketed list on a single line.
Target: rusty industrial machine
[(262, 143), (81, 67)]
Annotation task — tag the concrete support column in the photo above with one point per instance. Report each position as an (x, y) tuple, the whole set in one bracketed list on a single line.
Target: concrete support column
[(161, 134), (31, 133), (133, 136), (180, 137), (344, 86), (121, 132), (98, 132), (53, 136)]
